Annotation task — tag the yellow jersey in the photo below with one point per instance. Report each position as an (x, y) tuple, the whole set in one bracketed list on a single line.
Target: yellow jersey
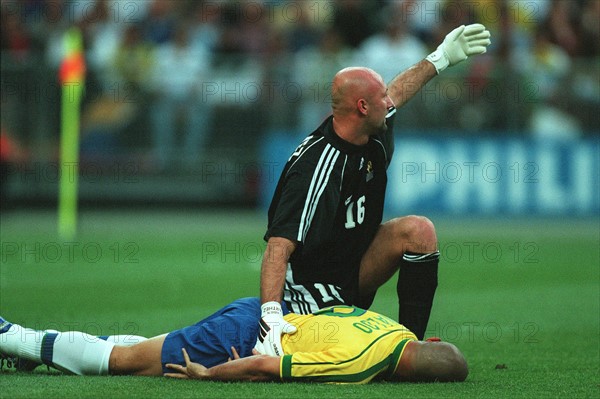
[(342, 344)]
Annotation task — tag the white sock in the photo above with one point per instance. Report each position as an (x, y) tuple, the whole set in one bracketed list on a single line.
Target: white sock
[(74, 352), (22, 342), (77, 352), (124, 340)]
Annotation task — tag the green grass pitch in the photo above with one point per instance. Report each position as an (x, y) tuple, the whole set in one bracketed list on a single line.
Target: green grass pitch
[(519, 298)]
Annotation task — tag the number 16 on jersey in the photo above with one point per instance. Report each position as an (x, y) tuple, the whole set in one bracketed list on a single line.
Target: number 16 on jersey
[(360, 213)]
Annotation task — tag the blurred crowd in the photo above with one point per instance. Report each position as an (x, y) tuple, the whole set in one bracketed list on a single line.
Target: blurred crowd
[(176, 75)]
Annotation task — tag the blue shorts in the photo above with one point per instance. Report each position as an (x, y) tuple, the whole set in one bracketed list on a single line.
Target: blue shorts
[(209, 341)]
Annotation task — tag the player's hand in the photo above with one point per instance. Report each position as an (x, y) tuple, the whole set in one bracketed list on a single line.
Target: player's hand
[(271, 326), (459, 45), (236, 355), (190, 370)]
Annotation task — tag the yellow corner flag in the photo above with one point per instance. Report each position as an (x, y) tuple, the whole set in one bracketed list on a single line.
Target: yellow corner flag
[(72, 79)]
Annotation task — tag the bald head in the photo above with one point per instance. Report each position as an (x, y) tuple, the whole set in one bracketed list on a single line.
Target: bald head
[(432, 361), (352, 84)]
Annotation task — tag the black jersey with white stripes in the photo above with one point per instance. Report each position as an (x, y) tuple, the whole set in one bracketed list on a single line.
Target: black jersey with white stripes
[(329, 200)]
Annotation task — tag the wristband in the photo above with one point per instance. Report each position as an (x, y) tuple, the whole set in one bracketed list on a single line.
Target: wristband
[(272, 307)]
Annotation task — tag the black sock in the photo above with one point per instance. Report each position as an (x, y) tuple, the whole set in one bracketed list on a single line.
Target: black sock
[(417, 281)]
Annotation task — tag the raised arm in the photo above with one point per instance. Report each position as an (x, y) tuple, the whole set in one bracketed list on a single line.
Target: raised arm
[(457, 46), (406, 84)]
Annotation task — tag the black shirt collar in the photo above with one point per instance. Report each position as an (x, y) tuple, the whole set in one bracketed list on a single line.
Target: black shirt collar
[(338, 142)]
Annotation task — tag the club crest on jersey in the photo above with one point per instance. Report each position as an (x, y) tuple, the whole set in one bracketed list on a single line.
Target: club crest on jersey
[(369, 170)]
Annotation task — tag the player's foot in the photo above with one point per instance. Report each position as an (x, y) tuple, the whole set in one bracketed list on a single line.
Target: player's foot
[(9, 347), (6, 362), (22, 365)]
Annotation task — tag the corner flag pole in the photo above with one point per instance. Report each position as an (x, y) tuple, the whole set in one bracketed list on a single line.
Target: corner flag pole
[(72, 79)]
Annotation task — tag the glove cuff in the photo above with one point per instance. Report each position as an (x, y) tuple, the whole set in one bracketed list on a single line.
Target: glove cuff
[(269, 308), (439, 59)]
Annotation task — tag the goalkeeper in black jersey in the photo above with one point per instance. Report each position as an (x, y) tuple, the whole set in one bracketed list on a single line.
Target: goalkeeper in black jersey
[(326, 244)]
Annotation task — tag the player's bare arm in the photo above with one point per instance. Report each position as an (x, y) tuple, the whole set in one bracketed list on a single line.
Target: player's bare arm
[(272, 279), (253, 368), (457, 46), (406, 84), (274, 266)]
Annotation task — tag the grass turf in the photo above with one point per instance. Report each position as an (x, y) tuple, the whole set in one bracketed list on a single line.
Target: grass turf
[(519, 298)]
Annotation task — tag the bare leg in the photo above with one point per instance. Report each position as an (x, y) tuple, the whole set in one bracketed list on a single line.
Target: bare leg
[(140, 359), (409, 245), (393, 239)]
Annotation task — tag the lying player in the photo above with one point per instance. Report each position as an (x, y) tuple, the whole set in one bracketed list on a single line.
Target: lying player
[(341, 344)]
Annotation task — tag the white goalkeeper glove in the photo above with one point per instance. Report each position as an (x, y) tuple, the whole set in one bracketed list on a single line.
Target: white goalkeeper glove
[(271, 326), (458, 45)]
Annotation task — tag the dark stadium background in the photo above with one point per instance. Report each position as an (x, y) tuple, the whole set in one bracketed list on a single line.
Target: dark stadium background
[(255, 73)]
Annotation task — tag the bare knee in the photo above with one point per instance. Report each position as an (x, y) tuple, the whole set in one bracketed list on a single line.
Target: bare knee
[(415, 233), (133, 360), (121, 360), (143, 358)]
